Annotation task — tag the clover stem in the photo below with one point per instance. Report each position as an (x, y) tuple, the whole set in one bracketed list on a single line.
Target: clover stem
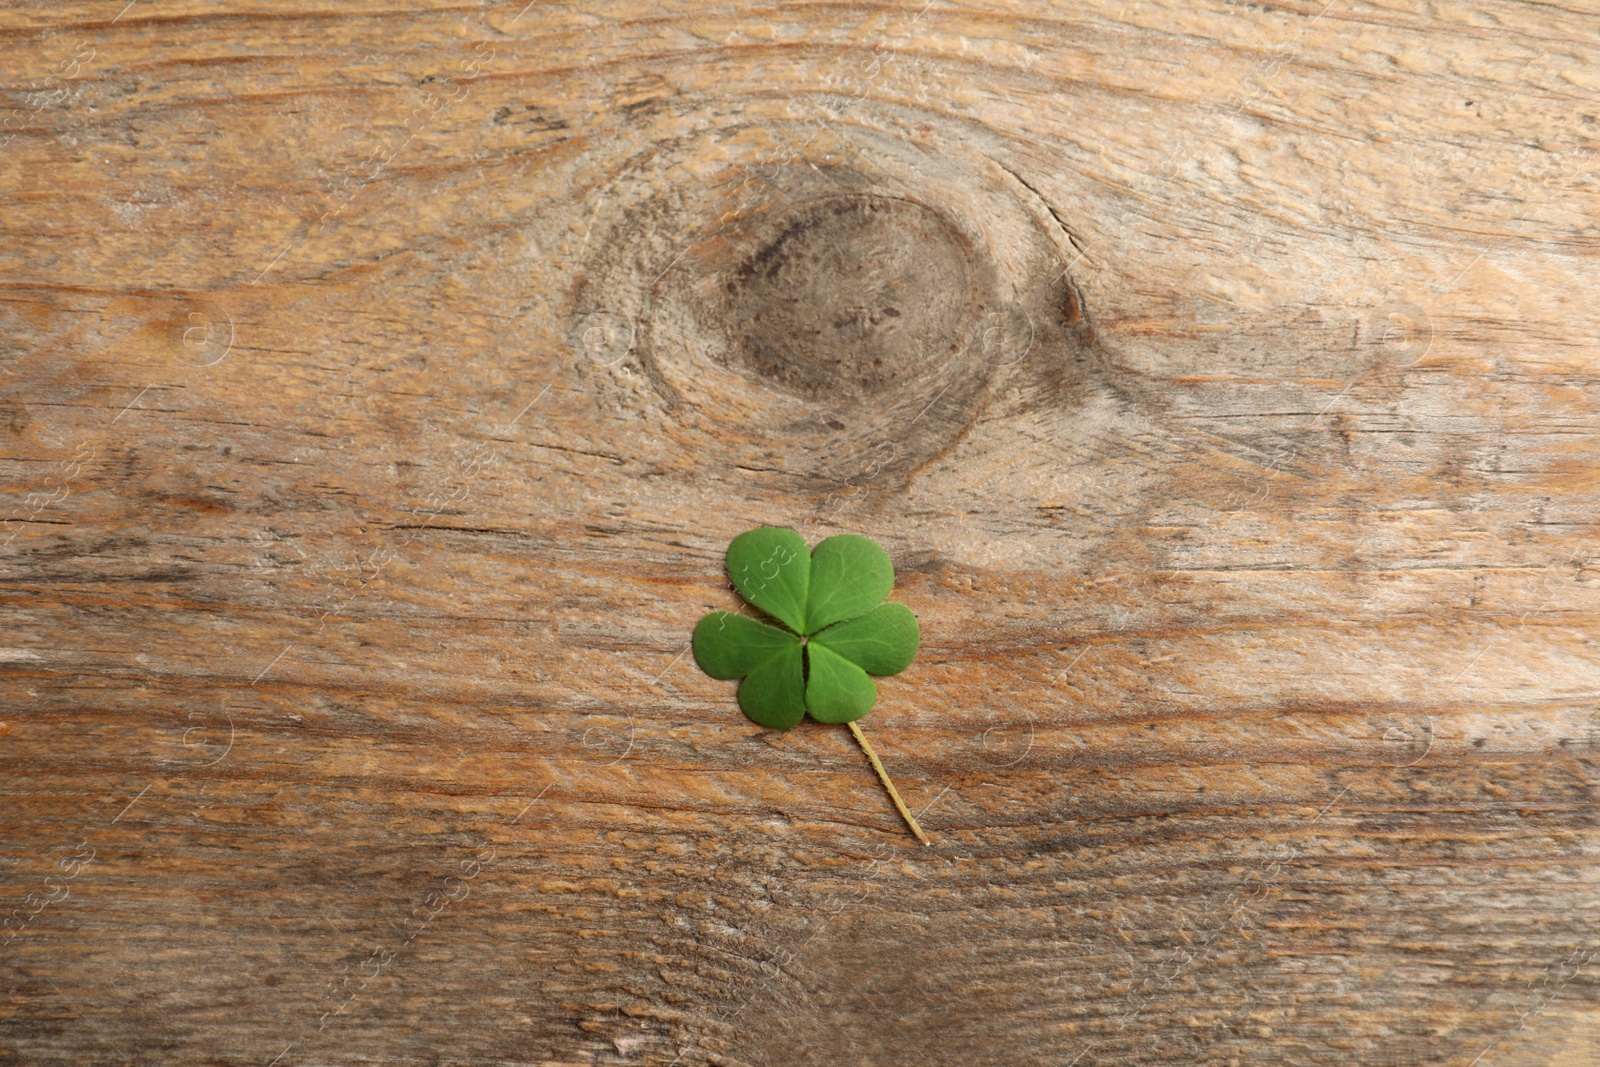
[(883, 775)]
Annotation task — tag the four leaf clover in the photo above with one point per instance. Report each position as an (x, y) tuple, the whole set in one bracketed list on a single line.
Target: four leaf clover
[(832, 629)]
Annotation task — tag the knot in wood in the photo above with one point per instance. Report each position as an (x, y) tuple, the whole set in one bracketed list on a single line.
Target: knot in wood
[(853, 296)]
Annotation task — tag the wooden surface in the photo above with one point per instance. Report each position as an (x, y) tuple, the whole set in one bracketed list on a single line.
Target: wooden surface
[(382, 384)]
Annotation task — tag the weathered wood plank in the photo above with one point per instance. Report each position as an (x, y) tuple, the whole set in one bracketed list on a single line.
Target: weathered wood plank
[(381, 387)]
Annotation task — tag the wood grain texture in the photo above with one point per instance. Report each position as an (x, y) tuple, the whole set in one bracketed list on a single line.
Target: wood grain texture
[(382, 384)]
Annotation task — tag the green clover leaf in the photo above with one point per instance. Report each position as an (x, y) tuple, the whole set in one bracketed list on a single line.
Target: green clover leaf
[(835, 630), (832, 631)]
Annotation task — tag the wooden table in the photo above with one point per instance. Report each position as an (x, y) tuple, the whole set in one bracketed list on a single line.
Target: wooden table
[(383, 384)]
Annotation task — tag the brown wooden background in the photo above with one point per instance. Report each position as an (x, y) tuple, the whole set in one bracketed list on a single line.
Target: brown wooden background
[(381, 384)]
